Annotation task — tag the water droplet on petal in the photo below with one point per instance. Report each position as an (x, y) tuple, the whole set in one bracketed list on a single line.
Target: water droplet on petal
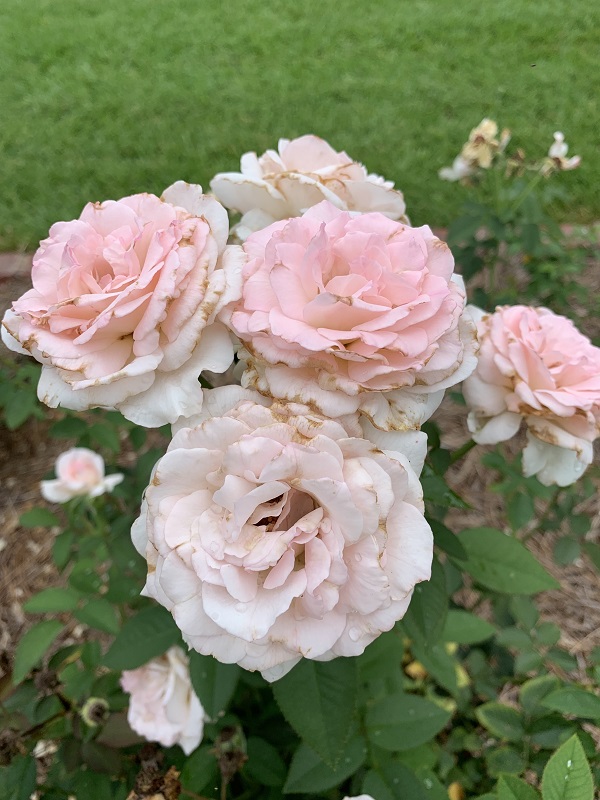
[(241, 608), (354, 634), (357, 557)]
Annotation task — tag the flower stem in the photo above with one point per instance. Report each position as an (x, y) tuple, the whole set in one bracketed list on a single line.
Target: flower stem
[(462, 451)]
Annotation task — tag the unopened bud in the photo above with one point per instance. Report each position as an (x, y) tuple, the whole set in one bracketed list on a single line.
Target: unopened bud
[(94, 711)]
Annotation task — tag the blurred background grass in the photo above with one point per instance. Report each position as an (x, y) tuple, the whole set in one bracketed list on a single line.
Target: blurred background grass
[(102, 99)]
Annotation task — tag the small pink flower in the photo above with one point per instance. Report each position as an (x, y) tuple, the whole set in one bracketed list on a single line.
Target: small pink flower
[(344, 312), (303, 172), (80, 473), (163, 707), (273, 534), (534, 365), (123, 305)]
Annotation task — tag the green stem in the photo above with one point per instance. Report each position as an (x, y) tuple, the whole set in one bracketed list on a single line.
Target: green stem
[(462, 451), (539, 526), (527, 191)]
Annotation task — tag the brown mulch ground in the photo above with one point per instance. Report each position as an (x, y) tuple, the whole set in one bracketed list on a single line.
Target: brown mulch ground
[(27, 454)]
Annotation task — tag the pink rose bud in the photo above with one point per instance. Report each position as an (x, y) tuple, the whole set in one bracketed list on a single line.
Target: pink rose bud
[(123, 305), (535, 366), (80, 473), (163, 707)]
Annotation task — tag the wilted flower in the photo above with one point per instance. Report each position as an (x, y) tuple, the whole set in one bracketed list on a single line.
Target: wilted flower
[(345, 313), (273, 534), (304, 171), (558, 153), (459, 170), (478, 152), (123, 305), (163, 706), (535, 366), (80, 473)]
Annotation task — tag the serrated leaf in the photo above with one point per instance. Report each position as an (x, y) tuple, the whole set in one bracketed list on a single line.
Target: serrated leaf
[(52, 600), (502, 563), (403, 721), (573, 700), (567, 775), (32, 647), (318, 699), (148, 634), (213, 682), (447, 541), (308, 774), (466, 628), (532, 692), (512, 788), (264, 763), (503, 721), (99, 614), (38, 518)]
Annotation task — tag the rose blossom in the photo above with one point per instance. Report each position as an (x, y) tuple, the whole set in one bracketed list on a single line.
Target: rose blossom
[(306, 170), (345, 312), (80, 473), (534, 365), (272, 534), (123, 305), (163, 706)]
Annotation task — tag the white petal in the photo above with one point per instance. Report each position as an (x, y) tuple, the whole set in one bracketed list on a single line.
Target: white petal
[(491, 430), (411, 444)]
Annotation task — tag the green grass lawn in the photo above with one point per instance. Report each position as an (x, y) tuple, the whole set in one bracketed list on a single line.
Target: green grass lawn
[(101, 98)]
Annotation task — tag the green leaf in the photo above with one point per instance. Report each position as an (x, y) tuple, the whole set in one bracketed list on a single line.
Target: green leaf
[(519, 510), (575, 701), (105, 435), (100, 614), (502, 563), (426, 615), (18, 780), (592, 551), (533, 691), (318, 700), (309, 774), (200, 770), (503, 721), (504, 759), (403, 721), (566, 550), (53, 601), (68, 428), (567, 775), (148, 634), (447, 541), (38, 518), (512, 788), (32, 647), (394, 782), (21, 405), (61, 549), (213, 682), (264, 763), (466, 628)]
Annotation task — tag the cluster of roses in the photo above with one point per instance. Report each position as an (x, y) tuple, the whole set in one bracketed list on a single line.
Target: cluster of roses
[(286, 518)]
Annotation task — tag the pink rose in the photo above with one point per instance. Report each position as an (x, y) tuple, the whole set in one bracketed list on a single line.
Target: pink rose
[(534, 365), (80, 473), (123, 306), (345, 312), (163, 707), (305, 171), (271, 534)]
